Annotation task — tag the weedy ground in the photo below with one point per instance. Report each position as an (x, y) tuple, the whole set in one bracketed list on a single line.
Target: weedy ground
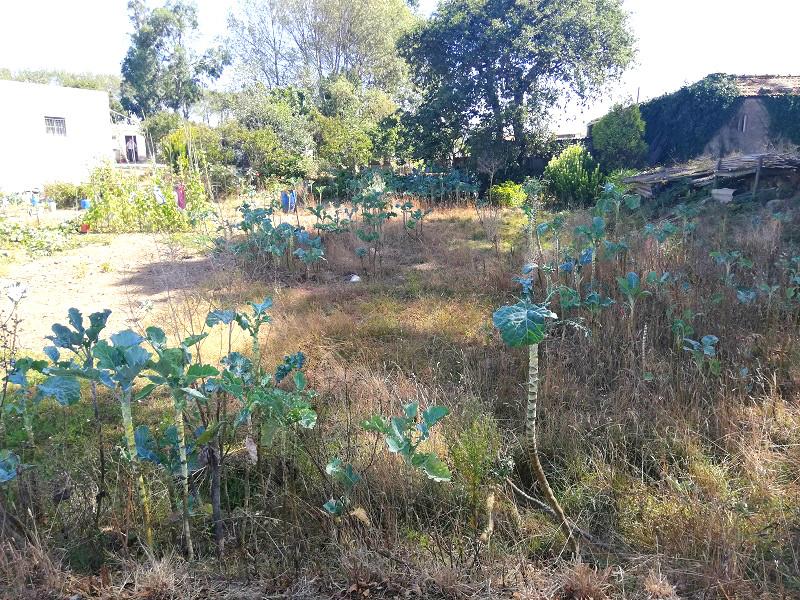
[(690, 478)]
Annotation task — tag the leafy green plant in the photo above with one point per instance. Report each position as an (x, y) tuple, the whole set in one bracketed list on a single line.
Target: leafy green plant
[(9, 466), (118, 365), (594, 233), (80, 341), (730, 260), (405, 433), (618, 138), (175, 370), (573, 176), (704, 353), (631, 287), (521, 324), (508, 194)]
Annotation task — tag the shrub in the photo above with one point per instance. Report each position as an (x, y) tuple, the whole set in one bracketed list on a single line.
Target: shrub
[(125, 202), (66, 195), (507, 194), (574, 177), (618, 138)]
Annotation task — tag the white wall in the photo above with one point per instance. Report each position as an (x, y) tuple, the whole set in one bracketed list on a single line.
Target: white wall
[(29, 157)]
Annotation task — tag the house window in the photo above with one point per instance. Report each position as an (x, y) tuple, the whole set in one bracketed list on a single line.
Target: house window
[(55, 126)]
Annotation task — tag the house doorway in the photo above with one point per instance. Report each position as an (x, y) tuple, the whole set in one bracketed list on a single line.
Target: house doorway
[(131, 149)]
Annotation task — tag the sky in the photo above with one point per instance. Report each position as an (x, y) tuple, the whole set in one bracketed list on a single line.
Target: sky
[(679, 41)]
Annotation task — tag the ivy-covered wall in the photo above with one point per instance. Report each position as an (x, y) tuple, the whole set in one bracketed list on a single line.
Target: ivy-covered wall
[(784, 114), (679, 125)]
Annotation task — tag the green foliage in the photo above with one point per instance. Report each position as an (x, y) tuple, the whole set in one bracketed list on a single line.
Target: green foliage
[(65, 195), (679, 125), (523, 323), (160, 70), (573, 176), (37, 241), (123, 202), (9, 466), (704, 353), (618, 138), (158, 125), (508, 194), (784, 117), (405, 433), (498, 65)]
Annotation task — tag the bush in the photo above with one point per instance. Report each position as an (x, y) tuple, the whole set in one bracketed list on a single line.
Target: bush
[(124, 202), (66, 195), (507, 194), (618, 138), (573, 176)]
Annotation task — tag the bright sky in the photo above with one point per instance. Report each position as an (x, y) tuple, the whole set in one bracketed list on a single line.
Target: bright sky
[(680, 41)]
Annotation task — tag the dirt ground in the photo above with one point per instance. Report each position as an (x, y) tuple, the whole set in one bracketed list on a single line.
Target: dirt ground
[(126, 275)]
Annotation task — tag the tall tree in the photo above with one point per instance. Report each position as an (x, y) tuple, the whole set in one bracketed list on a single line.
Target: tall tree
[(497, 66), (160, 70), (305, 41)]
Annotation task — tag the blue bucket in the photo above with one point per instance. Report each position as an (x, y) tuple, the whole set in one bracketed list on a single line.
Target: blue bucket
[(85, 203)]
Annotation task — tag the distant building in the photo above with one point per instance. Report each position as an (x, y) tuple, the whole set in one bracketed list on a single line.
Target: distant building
[(50, 133), (749, 130)]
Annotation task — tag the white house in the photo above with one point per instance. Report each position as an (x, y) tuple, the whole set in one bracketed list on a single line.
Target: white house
[(50, 133)]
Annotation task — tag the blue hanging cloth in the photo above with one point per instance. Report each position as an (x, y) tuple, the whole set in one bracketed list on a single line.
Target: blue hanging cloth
[(285, 201), (292, 200)]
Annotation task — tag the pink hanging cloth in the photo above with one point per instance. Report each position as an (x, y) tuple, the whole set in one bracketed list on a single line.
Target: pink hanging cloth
[(180, 192)]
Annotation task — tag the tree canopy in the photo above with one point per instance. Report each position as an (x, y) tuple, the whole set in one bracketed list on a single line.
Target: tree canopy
[(500, 65), (305, 41), (161, 70)]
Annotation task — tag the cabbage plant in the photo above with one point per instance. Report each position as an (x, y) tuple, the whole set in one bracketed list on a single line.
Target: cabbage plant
[(524, 324)]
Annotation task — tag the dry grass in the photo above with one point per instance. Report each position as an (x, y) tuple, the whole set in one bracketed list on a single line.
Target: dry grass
[(696, 472)]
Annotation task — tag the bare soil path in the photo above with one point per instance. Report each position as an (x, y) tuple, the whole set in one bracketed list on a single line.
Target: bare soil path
[(126, 275)]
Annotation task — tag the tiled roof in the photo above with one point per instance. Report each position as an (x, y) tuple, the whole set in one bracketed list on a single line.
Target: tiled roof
[(768, 85)]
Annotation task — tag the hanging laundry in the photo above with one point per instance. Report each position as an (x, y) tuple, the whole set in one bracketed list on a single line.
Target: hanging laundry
[(180, 192), (292, 200), (285, 201)]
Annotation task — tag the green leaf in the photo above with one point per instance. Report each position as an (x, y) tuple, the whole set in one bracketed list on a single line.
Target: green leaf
[(199, 371), (261, 308), (332, 506), (434, 414), (434, 468), (145, 392), (522, 324), (9, 463), (411, 410), (66, 390), (208, 434), (156, 336), (193, 340), (126, 338), (300, 381), (145, 444), (376, 424), (97, 322), (268, 429), (220, 316), (75, 319)]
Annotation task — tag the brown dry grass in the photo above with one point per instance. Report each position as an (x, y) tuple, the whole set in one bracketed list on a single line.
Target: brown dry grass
[(696, 472)]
